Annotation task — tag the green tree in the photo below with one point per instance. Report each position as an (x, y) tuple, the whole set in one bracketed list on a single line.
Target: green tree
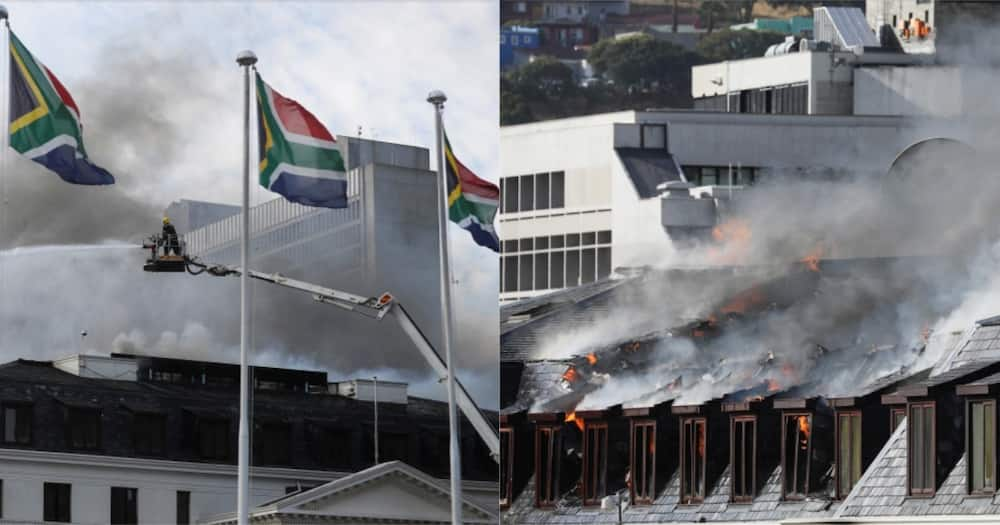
[(643, 62), (543, 77), (733, 45), (711, 11)]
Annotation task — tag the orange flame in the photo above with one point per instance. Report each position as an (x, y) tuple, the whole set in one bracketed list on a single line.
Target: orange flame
[(701, 440), (572, 417), (592, 358), (652, 447), (743, 301), (773, 386), (733, 236), (804, 429), (811, 260), (788, 370), (570, 374)]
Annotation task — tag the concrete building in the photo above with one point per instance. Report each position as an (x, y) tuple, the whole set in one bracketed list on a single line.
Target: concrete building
[(137, 439), (933, 26), (582, 196), (515, 45)]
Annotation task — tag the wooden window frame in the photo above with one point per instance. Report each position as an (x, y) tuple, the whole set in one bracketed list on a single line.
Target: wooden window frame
[(968, 447), (691, 499), (795, 496), (647, 495), (551, 468), (836, 451), (97, 413), (17, 406), (592, 480), (921, 492), (892, 417), (507, 456), (743, 498)]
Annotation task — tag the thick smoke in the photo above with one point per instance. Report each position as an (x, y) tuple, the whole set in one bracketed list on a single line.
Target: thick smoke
[(71, 260)]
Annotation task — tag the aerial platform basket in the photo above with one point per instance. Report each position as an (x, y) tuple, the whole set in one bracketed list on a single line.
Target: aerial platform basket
[(158, 262)]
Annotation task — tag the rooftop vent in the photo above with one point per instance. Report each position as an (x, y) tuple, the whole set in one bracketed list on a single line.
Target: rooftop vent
[(364, 390)]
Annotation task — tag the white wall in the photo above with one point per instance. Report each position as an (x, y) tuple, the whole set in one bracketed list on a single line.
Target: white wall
[(910, 91), (751, 73)]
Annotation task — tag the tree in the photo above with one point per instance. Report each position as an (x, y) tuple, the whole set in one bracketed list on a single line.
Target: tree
[(543, 77), (733, 45), (643, 62), (710, 11)]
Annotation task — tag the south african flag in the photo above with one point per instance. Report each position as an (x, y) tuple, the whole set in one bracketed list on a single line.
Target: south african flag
[(299, 158), (472, 202), (45, 122)]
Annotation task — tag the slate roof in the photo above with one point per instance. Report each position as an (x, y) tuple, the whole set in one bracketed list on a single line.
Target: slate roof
[(982, 345), (648, 168)]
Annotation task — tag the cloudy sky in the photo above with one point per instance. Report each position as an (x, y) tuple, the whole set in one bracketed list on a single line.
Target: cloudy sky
[(160, 98)]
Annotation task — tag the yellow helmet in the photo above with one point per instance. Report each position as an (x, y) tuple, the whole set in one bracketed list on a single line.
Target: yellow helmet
[(166, 220)]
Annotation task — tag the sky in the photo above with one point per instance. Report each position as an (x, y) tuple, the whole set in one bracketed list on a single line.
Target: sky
[(160, 99)]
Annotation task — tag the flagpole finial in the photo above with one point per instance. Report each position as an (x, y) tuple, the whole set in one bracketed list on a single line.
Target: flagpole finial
[(436, 97), (246, 58), (3, 12)]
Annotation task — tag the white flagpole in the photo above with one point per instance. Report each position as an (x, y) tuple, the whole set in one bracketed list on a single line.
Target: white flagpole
[(245, 59), (437, 98)]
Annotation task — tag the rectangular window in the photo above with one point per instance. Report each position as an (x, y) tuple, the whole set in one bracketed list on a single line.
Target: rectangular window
[(525, 273), (329, 446), (149, 434), (643, 467), (743, 454), (556, 265), (183, 507), (527, 192), (506, 465), (510, 195), (541, 243), (17, 424), (572, 240), (709, 176), (920, 441), (527, 244), (557, 190), (558, 241), (510, 245), (213, 438), (57, 502), (510, 273), (541, 271), (981, 446), (124, 506), (604, 237), (542, 191), (595, 462), (84, 428), (693, 460), (896, 416), (603, 262), (588, 238), (572, 268), (272, 444), (848, 452), (588, 266), (548, 448), (795, 453)]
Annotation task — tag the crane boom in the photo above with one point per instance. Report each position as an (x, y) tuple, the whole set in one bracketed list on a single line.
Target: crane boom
[(377, 308)]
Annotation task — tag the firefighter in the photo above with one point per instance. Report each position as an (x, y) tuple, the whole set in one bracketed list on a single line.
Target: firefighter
[(170, 241)]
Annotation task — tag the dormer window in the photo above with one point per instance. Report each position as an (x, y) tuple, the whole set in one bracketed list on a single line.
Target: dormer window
[(595, 462), (743, 458), (981, 446), (920, 448), (796, 439), (848, 451), (548, 444), (693, 462), (506, 465), (643, 468)]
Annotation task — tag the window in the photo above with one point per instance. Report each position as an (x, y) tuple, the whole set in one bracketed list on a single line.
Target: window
[(693, 460), (604, 237), (595, 462), (527, 244), (541, 271), (213, 438), (981, 447), (521, 7), (848, 452), (556, 265), (896, 416), (548, 447), (272, 445), (572, 240), (542, 191), (541, 243), (393, 446), (643, 467), (17, 424), (514, 40), (56, 502), (525, 273), (588, 238), (183, 507), (527, 193), (588, 266), (920, 442), (795, 453), (557, 189), (743, 454), (506, 465), (124, 506), (510, 245), (573, 268), (329, 447), (603, 262), (1, 498), (510, 273), (558, 241), (84, 428), (148, 434), (510, 196)]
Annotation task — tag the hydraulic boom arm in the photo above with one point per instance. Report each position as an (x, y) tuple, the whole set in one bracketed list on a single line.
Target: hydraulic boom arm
[(377, 308)]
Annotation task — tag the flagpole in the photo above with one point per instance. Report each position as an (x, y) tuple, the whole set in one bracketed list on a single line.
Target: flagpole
[(245, 59), (437, 98)]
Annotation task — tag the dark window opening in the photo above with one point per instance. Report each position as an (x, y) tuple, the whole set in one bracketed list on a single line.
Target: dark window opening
[(604, 237), (588, 238), (124, 506), (981, 447), (510, 195), (557, 190), (542, 191), (527, 244), (17, 424), (527, 193), (510, 246), (556, 265), (526, 266), (743, 454), (548, 447), (510, 273), (57, 502), (183, 507), (329, 447), (896, 417), (506, 465), (588, 266), (595, 462), (149, 434), (572, 240), (541, 271), (795, 453), (693, 460), (272, 444), (643, 468), (558, 241), (213, 438), (573, 268), (393, 446), (920, 441), (603, 262), (84, 428), (848, 452), (541, 243)]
